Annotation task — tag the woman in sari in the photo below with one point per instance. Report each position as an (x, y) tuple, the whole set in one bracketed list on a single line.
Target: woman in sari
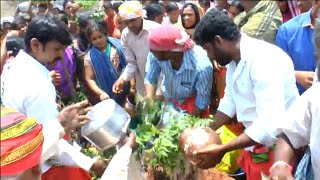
[(103, 65)]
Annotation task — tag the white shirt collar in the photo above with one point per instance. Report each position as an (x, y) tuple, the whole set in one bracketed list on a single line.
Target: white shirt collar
[(26, 58)]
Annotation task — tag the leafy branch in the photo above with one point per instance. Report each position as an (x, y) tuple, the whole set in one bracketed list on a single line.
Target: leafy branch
[(162, 145)]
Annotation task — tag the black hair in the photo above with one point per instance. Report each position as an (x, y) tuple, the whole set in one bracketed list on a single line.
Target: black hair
[(14, 44), (63, 17), (19, 20), (107, 5), (238, 5), (84, 20), (6, 25), (100, 26), (206, 3), (47, 28), (43, 6), (153, 10), (197, 14), (64, 4), (215, 23), (150, 2), (116, 5), (172, 6)]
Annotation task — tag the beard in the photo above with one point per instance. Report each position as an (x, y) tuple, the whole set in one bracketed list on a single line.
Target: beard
[(222, 57), (54, 62)]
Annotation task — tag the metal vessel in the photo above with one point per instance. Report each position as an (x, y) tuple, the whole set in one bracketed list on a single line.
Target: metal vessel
[(108, 125)]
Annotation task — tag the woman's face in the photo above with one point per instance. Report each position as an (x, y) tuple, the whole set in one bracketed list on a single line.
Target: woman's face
[(98, 40), (188, 16), (233, 12)]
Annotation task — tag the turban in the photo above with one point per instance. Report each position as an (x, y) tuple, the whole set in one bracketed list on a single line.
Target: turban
[(21, 142), (131, 10), (169, 38)]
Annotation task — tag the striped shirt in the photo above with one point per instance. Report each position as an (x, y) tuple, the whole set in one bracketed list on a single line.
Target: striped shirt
[(194, 78), (262, 21)]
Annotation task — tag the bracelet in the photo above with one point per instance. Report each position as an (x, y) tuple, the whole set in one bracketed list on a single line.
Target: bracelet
[(289, 167)]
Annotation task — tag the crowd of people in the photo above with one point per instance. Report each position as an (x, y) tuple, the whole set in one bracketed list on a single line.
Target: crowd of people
[(251, 64)]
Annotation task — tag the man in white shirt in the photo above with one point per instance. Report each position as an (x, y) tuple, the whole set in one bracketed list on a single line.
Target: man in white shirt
[(27, 87), (260, 85), (135, 44), (316, 78), (301, 128)]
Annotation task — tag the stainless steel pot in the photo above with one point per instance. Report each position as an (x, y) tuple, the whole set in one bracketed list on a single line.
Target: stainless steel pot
[(108, 125)]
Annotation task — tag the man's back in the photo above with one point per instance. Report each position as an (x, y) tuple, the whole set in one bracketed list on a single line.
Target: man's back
[(262, 21)]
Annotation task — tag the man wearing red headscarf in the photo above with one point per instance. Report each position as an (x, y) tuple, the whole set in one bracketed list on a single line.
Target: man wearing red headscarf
[(186, 68), (21, 146)]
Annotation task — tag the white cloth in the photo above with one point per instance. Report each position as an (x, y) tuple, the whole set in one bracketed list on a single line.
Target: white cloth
[(259, 89), (301, 124), (315, 79), (166, 21), (26, 87), (118, 167), (136, 49)]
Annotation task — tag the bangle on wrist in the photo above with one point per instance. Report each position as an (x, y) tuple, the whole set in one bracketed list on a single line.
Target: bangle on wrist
[(289, 167)]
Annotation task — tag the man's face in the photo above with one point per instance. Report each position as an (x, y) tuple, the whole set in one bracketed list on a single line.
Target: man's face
[(135, 25), (221, 3), (160, 55), (218, 53), (283, 6), (304, 5), (315, 9), (41, 10), (48, 54)]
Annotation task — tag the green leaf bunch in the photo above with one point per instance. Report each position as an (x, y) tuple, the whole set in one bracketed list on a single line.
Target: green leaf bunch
[(86, 4), (162, 145)]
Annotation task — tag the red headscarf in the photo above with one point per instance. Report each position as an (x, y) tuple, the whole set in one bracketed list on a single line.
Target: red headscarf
[(169, 38), (21, 142)]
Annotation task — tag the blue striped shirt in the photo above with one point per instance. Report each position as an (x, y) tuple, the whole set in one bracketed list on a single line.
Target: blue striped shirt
[(194, 78)]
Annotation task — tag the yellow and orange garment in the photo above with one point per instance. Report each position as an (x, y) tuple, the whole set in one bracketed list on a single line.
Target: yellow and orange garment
[(131, 10), (21, 142)]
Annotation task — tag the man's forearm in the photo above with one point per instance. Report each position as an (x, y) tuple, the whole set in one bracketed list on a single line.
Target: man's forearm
[(220, 119), (240, 142), (284, 150), (150, 90)]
